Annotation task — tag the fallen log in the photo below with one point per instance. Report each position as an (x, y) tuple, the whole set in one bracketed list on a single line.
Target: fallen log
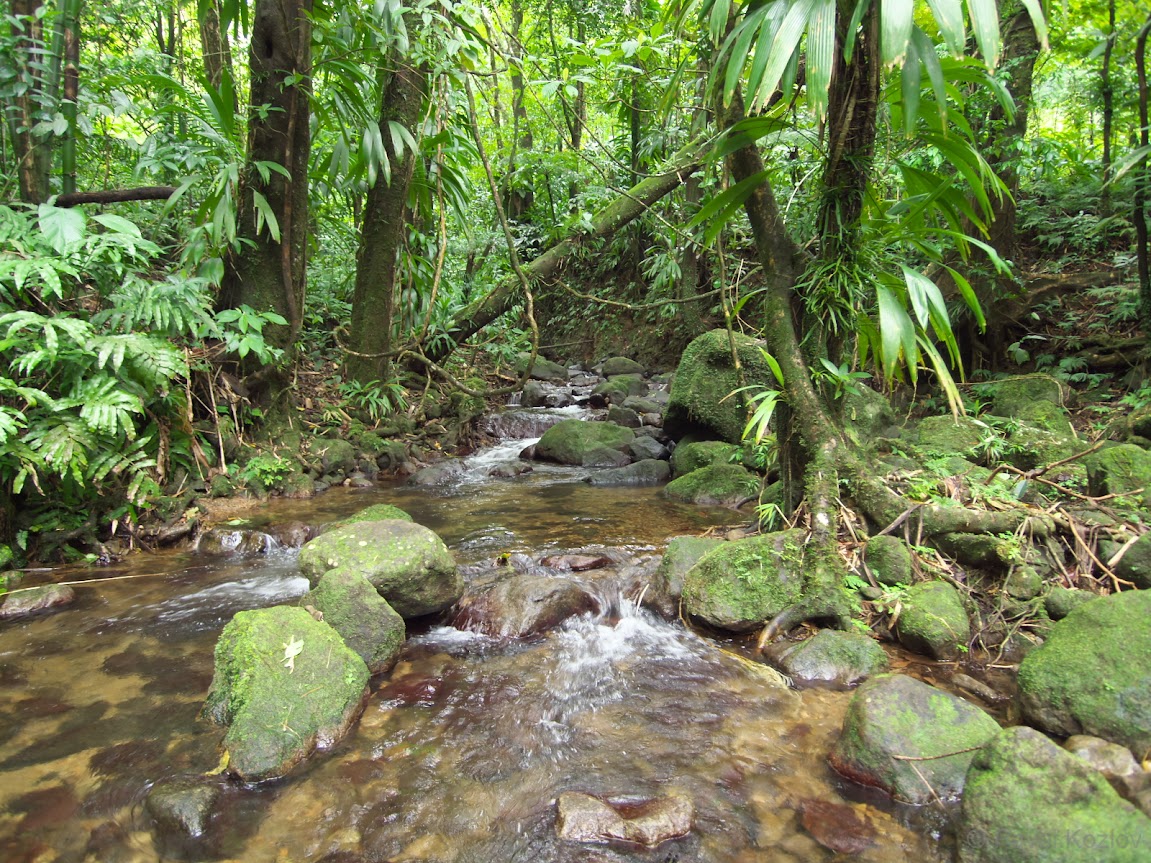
[(116, 196)]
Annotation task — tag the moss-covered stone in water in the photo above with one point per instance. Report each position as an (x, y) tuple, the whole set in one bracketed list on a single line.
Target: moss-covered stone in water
[(362, 617), (843, 658), (717, 484), (1093, 673), (703, 381), (278, 712), (740, 585), (619, 388), (693, 455), (948, 435), (298, 485), (336, 456), (1119, 469), (621, 366), (893, 718), (407, 563), (570, 441), (1061, 601), (1028, 801), (543, 369), (375, 512), (683, 552), (933, 621), (889, 559)]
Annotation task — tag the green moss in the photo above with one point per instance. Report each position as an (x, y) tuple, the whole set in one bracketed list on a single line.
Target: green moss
[(1119, 469), (701, 397), (717, 484), (619, 388), (739, 585), (569, 441), (842, 657), (933, 621), (692, 455), (375, 512), (1093, 673), (889, 559), (363, 618), (948, 435), (683, 552)]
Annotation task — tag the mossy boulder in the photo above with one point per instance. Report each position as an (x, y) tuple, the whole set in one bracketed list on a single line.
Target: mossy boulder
[(621, 366), (363, 618), (645, 447), (1120, 469), (622, 416), (948, 435), (683, 552), (889, 559), (619, 388), (542, 369), (1030, 447), (1061, 601), (336, 456), (375, 512), (833, 657), (703, 381), (933, 621), (279, 710), (1093, 673), (1135, 564), (739, 585), (1035, 399), (646, 472), (692, 455), (408, 564), (1023, 583), (714, 485), (572, 441), (867, 414), (1028, 801), (893, 718)]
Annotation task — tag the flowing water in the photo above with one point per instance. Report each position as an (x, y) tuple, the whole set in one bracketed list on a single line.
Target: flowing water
[(463, 747)]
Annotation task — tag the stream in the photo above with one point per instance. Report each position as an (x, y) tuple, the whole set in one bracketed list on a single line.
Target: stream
[(464, 747)]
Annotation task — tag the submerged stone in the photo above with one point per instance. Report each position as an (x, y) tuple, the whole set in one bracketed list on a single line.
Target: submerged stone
[(183, 804), (1028, 801), (584, 818), (284, 684), (830, 656), (36, 600), (1093, 673), (911, 740), (408, 564), (521, 605)]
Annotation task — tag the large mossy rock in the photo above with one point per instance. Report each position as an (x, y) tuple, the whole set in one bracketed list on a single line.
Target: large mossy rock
[(363, 618), (1028, 801), (693, 455), (683, 552), (717, 484), (1135, 565), (542, 369), (619, 388), (408, 564), (621, 366), (1119, 469), (933, 621), (833, 657), (1093, 673), (867, 415), (278, 712), (375, 512), (893, 718), (740, 585), (948, 435), (577, 441), (1035, 399), (705, 378), (889, 559)]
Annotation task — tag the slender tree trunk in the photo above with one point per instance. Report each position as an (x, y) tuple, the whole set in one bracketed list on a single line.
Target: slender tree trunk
[(33, 153), (71, 29), (1108, 93), (270, 274), (1142, 182), (214, 44), (383, 232), (519, 194)]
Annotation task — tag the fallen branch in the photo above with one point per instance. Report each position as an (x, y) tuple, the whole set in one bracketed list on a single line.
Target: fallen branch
[(116, 196)]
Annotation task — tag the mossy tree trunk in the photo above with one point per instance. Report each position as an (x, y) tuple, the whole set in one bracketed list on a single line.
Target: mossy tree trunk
[(270, 274), (383, 229)]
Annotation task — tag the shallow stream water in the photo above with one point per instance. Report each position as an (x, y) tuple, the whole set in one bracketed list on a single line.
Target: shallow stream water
[(463, 747)]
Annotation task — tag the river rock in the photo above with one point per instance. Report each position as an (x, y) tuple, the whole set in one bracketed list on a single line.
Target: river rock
[(1059, 601), (699, 402), (933, 621), (867, 414), (646, 447), (715, 485), (830, 656), (1115, 762), (889, 559), (36, 600), (893, 717), (183, 805), (622, 416), (692, 455), (543, 369), (521, 605), (576, 562), (583, 818), (739, 585), (375, 512), (683, 552), (600, 456), (836, 827), (1028, 801), (646, 472), (574, 441), (337, 456), (949, 435), (278, 710), (1093, 673), (369, 626), (643, 405), (1036, 399), (515, 467), (1135, 564), (534, 395), (1120, 469), (618, 388), (621, 366), (440, 473), (407, 563)]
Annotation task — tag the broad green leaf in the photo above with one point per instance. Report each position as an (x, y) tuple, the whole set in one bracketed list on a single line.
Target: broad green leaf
[(785, 43), (117, 223), (897, 335), (985, 23), (264, 215), (949, 16), (820, 55), (62, 227), (895, 22)]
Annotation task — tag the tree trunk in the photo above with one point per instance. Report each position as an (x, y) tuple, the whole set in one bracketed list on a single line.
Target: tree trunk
[(519, 194), (1142, 182), (214, 44), (33, 153), (1107, 91), (383, 231), (71, 29), (619, 213), (270, 274)]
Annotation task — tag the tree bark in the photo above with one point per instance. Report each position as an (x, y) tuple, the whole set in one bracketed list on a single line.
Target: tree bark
[(519, 194), (1142, 182), (214, 44), (270, 274), (383, 231), (116, 196), (619, 213), (1107, 91), (33, 154)]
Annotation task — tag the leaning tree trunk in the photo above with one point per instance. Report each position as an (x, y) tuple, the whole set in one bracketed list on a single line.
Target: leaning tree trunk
[(270, 275), (382, 232), (619, 213)]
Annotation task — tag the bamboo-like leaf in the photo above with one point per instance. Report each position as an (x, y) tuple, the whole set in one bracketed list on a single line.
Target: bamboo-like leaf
[(820, 55), (969, 297), (946, 381), (949, 16), (910, 83), (897, 335), (717, 21), (1038, 20), (265, 215), (720, 208), (740, 44), (768, 28), (985, 23), (861, 7), (785, 43), (926, 52), (895, 22)]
